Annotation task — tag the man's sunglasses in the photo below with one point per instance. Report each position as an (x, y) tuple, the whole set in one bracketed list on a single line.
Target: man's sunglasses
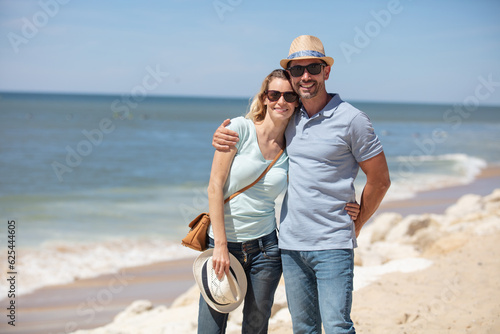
[(275, 95), (298, 70)]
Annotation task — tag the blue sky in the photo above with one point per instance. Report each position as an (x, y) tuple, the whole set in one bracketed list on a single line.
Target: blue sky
[(402, 51)]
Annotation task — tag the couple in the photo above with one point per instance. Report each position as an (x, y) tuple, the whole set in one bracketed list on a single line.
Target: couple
[(326, 141)]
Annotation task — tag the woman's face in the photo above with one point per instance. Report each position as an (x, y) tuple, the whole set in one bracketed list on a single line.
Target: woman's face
[(280, 108)]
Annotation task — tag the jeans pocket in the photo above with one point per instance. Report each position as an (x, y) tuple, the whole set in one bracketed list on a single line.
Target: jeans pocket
[(271, 252)]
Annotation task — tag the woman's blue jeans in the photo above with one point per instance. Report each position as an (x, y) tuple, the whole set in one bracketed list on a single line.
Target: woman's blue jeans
[(262, 263), (319, 289)]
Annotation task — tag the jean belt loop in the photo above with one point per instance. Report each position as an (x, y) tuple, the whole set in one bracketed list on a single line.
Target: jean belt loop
[(261, 244)]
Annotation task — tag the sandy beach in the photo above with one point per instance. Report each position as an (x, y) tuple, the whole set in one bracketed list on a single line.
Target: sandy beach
[(456, 292)]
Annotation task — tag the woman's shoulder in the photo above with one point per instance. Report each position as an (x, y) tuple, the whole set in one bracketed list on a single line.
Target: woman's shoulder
[(241, 125), (241, 121)]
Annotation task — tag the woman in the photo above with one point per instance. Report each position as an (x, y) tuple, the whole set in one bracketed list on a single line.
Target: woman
[(246, 225)]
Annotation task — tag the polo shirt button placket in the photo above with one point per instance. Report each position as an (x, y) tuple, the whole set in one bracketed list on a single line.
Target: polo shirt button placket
[(305, 130)]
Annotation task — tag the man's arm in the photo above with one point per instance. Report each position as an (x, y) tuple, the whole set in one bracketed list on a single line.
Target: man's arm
[(377, 184), (224, 138)]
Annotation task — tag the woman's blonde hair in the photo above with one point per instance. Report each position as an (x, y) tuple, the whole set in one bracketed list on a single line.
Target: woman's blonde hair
[(257, 111)]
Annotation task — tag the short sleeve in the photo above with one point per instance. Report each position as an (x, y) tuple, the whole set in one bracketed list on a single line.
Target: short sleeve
[(364, 142), (240, 125)]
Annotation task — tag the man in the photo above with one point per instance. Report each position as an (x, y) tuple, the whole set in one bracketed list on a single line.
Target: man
[(327, 141)]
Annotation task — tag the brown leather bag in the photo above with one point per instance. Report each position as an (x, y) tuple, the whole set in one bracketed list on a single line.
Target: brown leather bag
[(197, 235)]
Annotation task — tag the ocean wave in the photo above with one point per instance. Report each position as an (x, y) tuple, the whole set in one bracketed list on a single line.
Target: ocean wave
[(59, 262), (411, 175)]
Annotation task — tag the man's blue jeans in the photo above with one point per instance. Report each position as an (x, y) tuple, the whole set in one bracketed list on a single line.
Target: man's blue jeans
[(262, 263), (319, 288)]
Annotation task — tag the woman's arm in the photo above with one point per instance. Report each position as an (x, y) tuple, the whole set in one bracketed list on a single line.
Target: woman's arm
[(221, 166)]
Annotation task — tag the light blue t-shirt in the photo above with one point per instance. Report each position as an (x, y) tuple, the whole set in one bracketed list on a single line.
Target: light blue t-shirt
[(251, 214), (324, 152)]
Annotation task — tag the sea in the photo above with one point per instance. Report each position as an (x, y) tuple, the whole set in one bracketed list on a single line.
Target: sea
[(91, 184)]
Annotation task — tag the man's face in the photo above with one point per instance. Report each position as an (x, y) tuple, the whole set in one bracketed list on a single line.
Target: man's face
[(308, 85)]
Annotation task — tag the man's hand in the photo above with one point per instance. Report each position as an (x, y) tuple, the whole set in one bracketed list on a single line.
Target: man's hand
[(352, 210), (224, 138)]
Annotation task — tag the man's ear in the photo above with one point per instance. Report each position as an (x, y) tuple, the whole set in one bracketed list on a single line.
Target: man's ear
[(326, 71)]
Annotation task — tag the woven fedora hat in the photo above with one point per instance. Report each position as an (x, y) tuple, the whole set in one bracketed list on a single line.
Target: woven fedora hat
[(306, 47), (225, 295)]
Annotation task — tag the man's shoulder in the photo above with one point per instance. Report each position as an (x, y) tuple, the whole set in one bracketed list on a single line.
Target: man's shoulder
[(345, 109)]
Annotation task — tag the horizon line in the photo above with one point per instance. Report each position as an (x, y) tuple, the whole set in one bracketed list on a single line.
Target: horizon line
[(103, 94)]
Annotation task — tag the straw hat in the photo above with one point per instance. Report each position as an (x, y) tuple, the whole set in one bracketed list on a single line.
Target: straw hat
[(224, 295), (306, 47)]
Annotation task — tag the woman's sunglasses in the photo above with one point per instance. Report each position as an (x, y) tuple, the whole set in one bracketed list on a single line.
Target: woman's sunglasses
[(275, 95), (298, 70)]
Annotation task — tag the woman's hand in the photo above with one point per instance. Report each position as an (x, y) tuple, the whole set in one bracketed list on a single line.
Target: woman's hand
[(220, 261), (352, 210)]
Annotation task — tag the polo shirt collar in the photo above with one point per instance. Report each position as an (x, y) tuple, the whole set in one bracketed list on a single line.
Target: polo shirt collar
[(329, 109)]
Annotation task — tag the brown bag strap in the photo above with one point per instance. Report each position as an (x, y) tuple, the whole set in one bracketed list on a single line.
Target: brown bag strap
[(254, 182)]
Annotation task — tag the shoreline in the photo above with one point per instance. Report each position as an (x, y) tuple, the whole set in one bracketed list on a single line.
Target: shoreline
[(437, 200), (90, 303)]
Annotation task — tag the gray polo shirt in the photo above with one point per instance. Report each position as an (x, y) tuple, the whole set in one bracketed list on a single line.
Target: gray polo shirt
[(324, 152)]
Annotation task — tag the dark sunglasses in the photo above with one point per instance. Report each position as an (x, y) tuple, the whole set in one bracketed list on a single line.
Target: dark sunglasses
[(275, 95), (298, 70)]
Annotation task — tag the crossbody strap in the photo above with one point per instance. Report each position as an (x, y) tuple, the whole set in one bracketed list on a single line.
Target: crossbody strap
[(254, 182)]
